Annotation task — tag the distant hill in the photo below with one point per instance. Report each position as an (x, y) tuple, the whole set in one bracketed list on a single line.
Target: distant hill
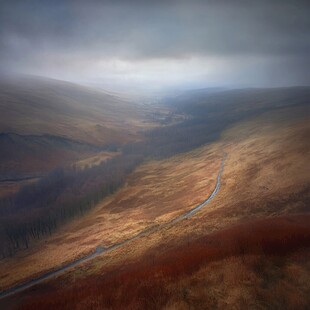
[(39, 106), (202, 103), (46, 123), (208, 114)]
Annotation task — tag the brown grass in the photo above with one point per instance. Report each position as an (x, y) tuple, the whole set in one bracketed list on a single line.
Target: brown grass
[(95, 160), (155, 193), (46, 106), (265, 176), (253, 265)]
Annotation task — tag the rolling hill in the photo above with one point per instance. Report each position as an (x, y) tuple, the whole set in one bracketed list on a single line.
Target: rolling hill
[(250, 243), (47, 123), (37, 106)]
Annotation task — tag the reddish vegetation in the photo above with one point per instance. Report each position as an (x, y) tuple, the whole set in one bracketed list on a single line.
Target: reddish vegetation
[(145, 284)]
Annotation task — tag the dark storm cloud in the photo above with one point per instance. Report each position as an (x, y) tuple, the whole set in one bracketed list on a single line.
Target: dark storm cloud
[(55, 37)]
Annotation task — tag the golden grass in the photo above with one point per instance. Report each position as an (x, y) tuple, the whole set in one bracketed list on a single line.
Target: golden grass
[(77, 112), (209, 273), (154, 193), (95, 160), (265, 174), (277, 184)]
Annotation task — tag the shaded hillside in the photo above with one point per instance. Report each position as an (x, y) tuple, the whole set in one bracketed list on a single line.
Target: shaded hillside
[(44, 106), (202, 104), (37, 209), (208, 114), (33, 155), (47, 123)]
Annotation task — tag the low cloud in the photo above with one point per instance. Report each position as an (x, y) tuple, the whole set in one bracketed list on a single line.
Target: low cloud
[(163, 42)]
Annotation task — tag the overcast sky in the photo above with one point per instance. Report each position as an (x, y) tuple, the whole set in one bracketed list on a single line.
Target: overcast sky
[(155, 44)]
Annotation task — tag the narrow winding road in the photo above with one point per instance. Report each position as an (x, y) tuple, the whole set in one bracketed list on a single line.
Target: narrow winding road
[(100, 249)]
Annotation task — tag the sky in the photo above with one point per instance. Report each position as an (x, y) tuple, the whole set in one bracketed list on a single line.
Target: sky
[(157, 45)]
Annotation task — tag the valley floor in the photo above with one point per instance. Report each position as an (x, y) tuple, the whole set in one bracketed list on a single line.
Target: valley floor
[(248, 248)]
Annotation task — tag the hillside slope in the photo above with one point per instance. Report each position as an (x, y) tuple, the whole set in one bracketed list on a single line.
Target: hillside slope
[(259, 181), (265, 183), (39, 106), (34, 155), (47, 123)]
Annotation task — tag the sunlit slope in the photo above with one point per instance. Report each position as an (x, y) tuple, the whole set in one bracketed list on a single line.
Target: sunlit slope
[(154, 193), (259, 180), (245, 246)]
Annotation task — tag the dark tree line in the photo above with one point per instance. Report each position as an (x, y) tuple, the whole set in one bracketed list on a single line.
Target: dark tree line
[(38, 209)]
